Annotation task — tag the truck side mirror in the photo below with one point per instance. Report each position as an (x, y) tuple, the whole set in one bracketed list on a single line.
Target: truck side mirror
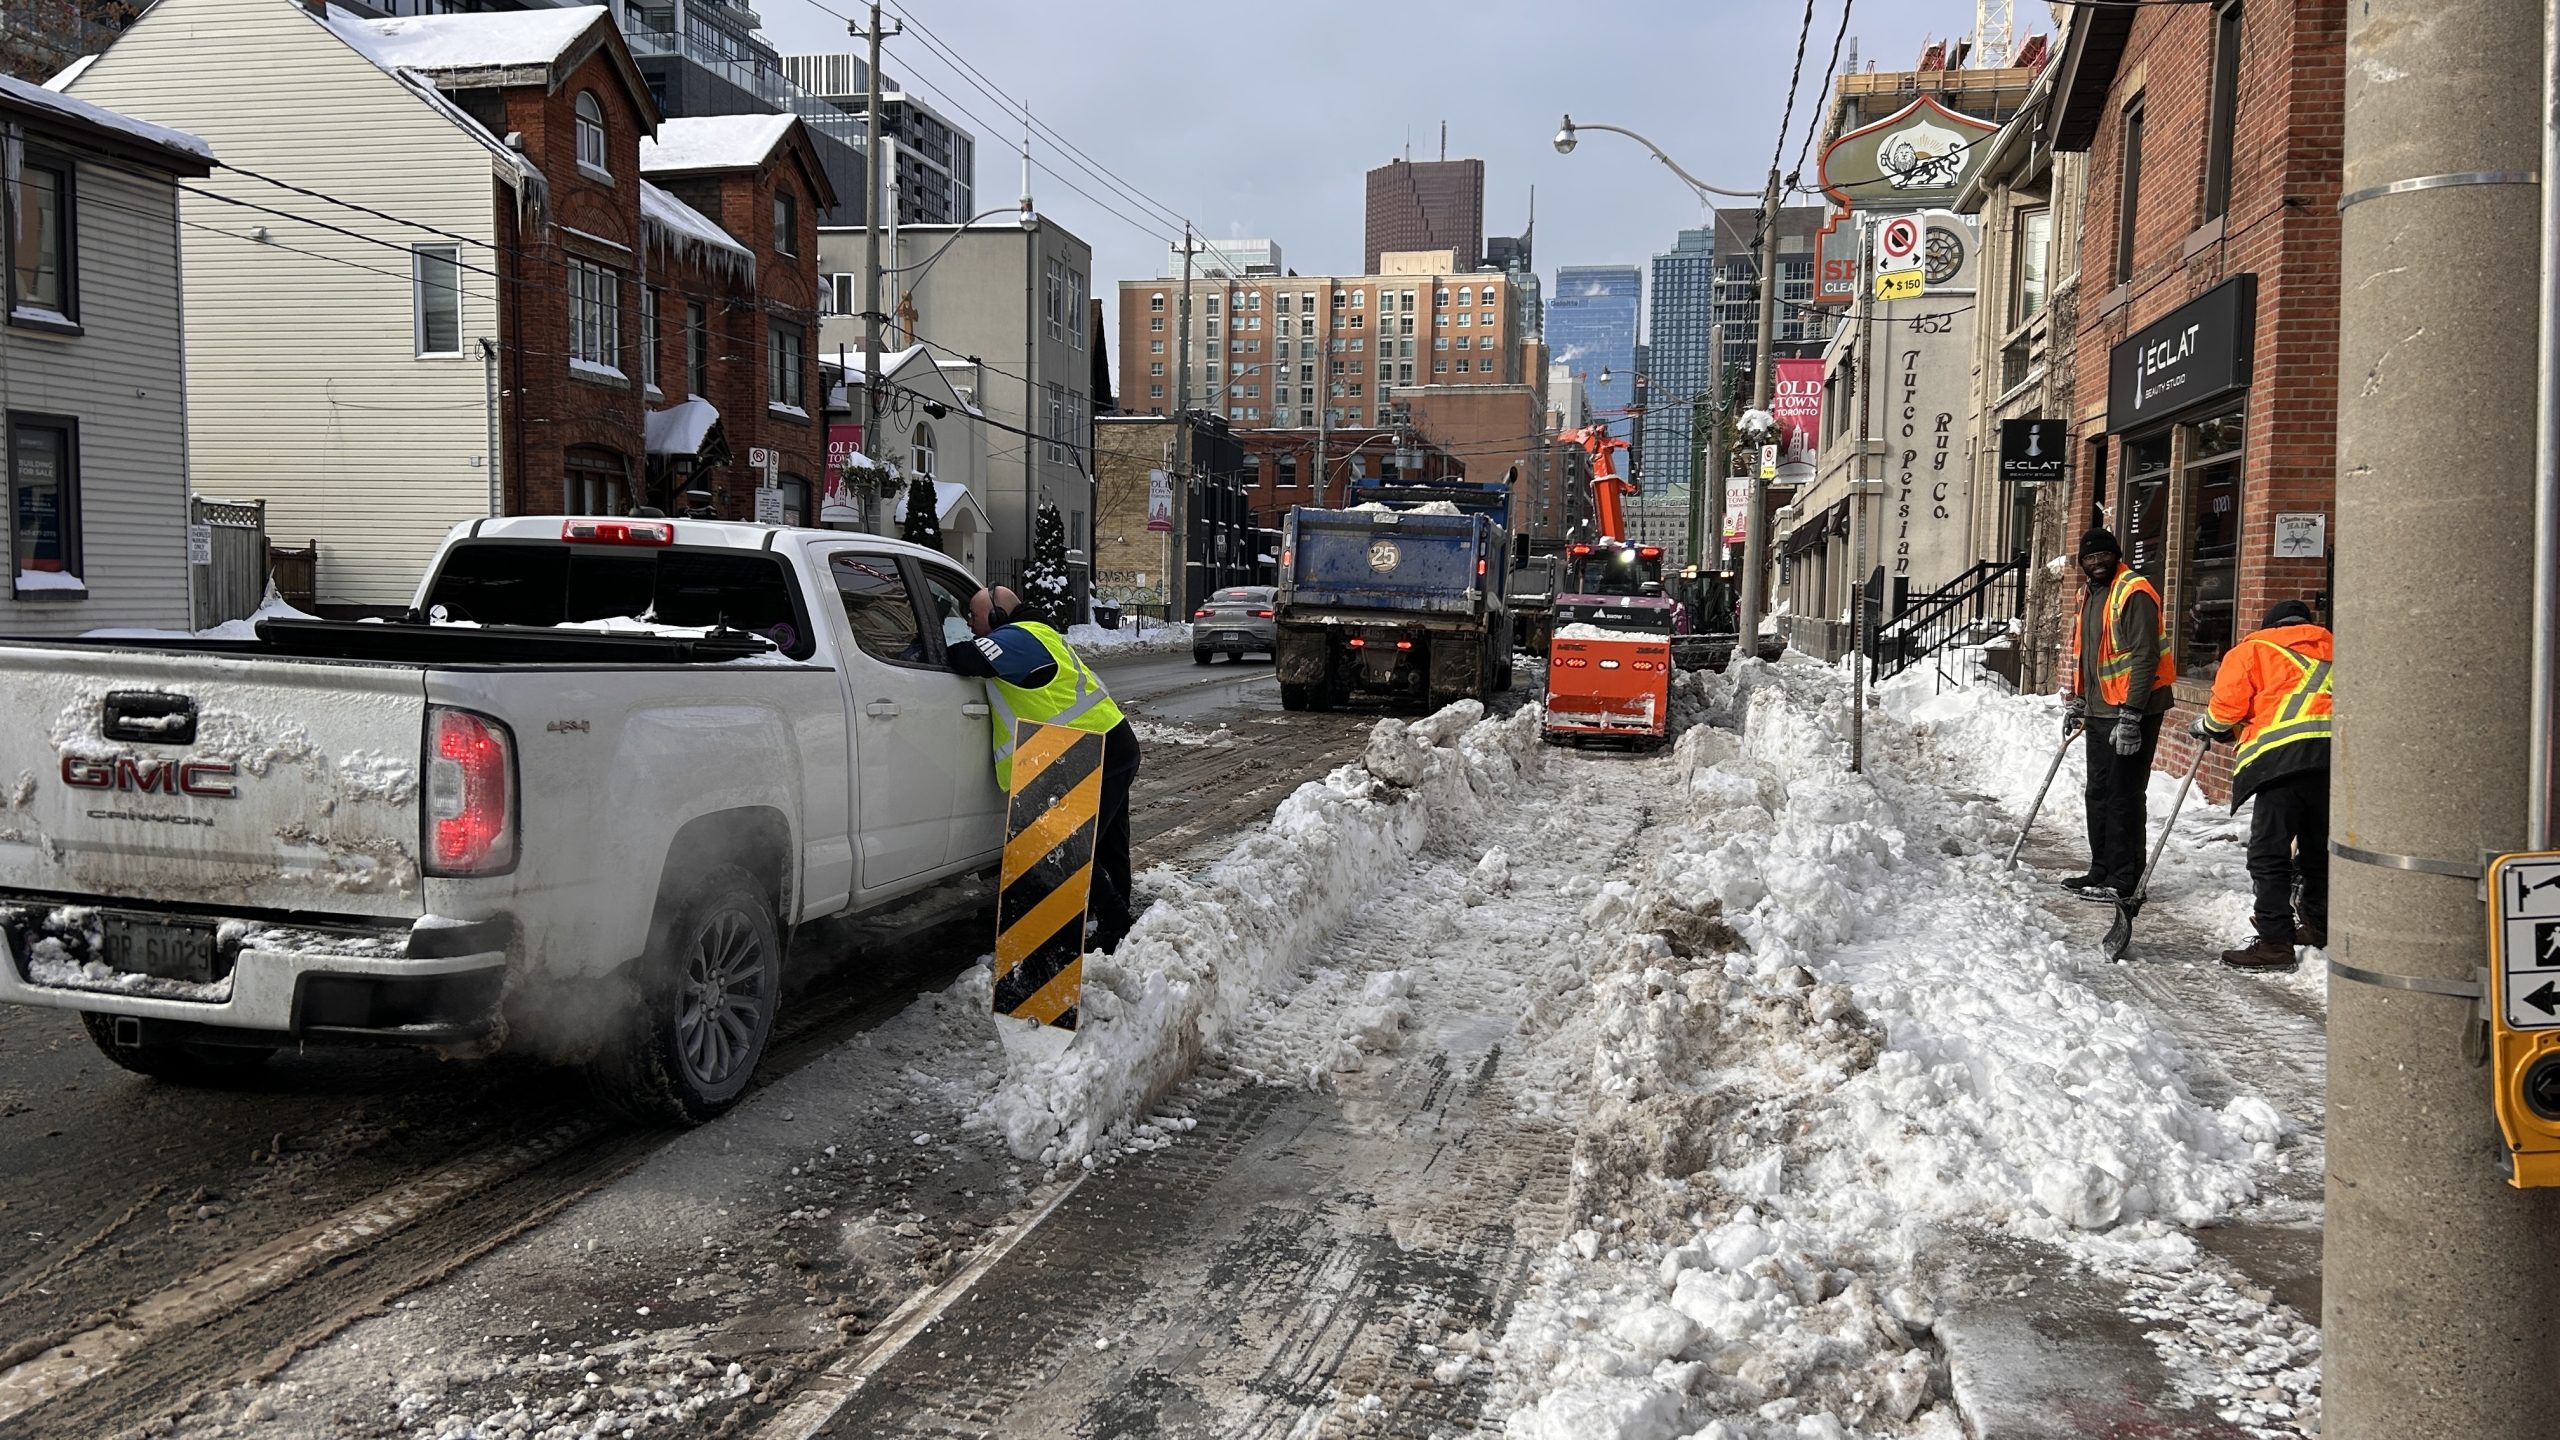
[(1520, 549)]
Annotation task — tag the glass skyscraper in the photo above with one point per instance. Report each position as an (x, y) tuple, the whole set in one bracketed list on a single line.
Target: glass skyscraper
[(1591, 328), (1680, 333)]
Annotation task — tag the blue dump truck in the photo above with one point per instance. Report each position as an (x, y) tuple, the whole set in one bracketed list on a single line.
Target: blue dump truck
[(1401, 595)]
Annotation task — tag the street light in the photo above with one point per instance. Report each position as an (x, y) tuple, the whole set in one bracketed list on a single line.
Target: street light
[(1566, 139)]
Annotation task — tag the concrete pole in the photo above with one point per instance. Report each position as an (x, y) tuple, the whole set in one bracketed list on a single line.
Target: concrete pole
[(2441, 1293), (871, 192), (1868, 372), (1755, 538), (1706, 474), (1182, 438)]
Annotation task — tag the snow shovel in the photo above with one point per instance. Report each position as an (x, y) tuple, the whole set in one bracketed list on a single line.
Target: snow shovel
[(2049, 772), (2120, 934)]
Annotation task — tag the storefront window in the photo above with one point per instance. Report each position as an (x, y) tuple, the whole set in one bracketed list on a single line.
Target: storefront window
[(2145, 528), (2212, 542)]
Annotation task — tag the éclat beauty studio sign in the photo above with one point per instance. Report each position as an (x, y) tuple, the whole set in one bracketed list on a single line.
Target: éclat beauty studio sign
[(2194, 353)]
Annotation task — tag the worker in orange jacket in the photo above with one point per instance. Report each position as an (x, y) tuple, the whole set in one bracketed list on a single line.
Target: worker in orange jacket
[(2119, 686), (2272, 695)]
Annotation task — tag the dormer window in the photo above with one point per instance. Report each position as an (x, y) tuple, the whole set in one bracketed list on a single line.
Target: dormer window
[(786, 223), (591, 155)]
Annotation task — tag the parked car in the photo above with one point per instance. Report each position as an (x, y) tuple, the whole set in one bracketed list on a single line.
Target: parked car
[(1238, 620), (576, 804)]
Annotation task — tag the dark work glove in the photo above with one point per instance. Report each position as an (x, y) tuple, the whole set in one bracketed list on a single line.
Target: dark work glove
[(2075, 713), (2127, 736), (2203, 730)]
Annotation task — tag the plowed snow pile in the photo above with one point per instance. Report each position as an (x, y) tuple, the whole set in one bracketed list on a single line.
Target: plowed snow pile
[(1837, 1036)]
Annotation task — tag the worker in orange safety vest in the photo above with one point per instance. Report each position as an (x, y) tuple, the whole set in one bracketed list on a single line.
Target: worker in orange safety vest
[(2119, 686), (2272, 695)]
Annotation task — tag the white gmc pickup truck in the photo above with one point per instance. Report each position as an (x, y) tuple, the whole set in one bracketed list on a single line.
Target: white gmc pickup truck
[(575, 803)]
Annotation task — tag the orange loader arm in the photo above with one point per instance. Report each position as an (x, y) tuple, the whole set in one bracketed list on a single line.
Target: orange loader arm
[(1609, 489)]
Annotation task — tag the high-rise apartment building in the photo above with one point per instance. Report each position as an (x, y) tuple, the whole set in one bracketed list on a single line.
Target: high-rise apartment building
[(937, 170), (1680, 366), (1802, 327), (1426, 205), (1514, 256), (1591, 329)]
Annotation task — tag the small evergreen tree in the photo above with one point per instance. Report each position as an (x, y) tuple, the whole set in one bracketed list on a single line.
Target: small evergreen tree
[(922, 526), (1044, 583)]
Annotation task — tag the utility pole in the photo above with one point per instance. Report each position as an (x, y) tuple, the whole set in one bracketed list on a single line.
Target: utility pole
[(871, 152), (2441, 1284), (1182, 436), (1706, 489), (1866, 374), (1755, 540)]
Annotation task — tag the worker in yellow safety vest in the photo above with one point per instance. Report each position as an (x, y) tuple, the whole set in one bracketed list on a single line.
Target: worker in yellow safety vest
[(2272, 696), (2119, 686), (1031, 674)]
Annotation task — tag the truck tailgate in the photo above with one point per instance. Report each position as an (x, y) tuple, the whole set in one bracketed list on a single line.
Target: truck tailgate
[(1390, 561), (161, 775)]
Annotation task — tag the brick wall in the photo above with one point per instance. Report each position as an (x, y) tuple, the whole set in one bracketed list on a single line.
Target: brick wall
[(549, 411), (2282, 226)]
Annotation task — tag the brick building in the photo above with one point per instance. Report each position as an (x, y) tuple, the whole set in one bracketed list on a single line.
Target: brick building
[(737, 324), (1425, 205), (1280, 467), (2205, 356)]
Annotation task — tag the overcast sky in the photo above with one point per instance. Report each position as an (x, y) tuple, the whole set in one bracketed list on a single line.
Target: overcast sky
[(1258, 119)]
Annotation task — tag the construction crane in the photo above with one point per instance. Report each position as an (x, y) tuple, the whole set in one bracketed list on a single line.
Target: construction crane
[(1993, 23)]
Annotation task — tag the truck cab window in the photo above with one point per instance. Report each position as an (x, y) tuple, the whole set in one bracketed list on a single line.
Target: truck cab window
[(948, 595), (514, 583), (878, 609)]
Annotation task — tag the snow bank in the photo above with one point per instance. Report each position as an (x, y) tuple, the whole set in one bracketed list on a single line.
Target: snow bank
[(1836, 1032), (1427, 507), (1159, 635), (1584, 631), (1195, 964)]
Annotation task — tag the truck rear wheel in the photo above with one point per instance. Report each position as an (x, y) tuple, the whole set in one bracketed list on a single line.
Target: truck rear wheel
[(180, 1062), (709, 989)]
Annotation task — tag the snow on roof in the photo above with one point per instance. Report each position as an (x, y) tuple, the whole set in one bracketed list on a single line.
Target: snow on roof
[(63, 77), (712, 142), (681, 428), (857, 364), (683, 231), (499, 41), (37, 97), (947, 495)]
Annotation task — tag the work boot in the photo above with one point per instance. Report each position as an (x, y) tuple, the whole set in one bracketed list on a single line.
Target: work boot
[(2262, 954), (2315, 936), (2079, 883)]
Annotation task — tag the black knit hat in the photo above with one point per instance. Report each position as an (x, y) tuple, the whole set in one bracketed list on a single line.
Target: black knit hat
[(2287, 612), (2099, 540)]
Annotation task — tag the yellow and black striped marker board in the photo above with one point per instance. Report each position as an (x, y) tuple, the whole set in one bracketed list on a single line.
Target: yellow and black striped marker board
[(1047, 879)]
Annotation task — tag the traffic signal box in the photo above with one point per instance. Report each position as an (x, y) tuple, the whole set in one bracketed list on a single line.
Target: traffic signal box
[(2524, 1012)]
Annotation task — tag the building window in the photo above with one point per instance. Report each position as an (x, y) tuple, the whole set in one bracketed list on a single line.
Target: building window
[(649, 336), (591, 151), (2211, 479), (1057, 427), (2034, 241), (1155, 367), (595, 316), (1466, 295), (593, 479), (1155, 392), (1155, 323), (1156, 301), (1288, 472), (2129, 190), (786, 223), (1054, 300), (1212, 303), (1075, 308), (2145, 508), (44, 505), (2222, 112), (1155, 347), (697, 346), (848, 299), (435, 281), (920, 451), (40, 249), (786, 358)]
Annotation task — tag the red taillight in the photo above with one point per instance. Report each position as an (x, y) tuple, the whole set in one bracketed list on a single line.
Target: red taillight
[(1581, 550), (1287, 557), (1200, 614), (1650, 552), (1262, 615), (619, 532), (1404, 644), (471, 794), (1479, 567), (1357, 642)]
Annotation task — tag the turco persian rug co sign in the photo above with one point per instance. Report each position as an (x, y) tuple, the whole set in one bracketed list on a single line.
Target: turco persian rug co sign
[(2190, 355)]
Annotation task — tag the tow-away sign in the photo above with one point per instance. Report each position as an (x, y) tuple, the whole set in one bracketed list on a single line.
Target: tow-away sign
[(2524, 940), (1897, 258)]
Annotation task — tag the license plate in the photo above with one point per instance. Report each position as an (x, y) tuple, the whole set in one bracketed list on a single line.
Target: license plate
[(171, 951)]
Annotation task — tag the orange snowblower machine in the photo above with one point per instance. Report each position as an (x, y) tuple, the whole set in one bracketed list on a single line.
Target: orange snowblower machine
[(1611, 686)]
